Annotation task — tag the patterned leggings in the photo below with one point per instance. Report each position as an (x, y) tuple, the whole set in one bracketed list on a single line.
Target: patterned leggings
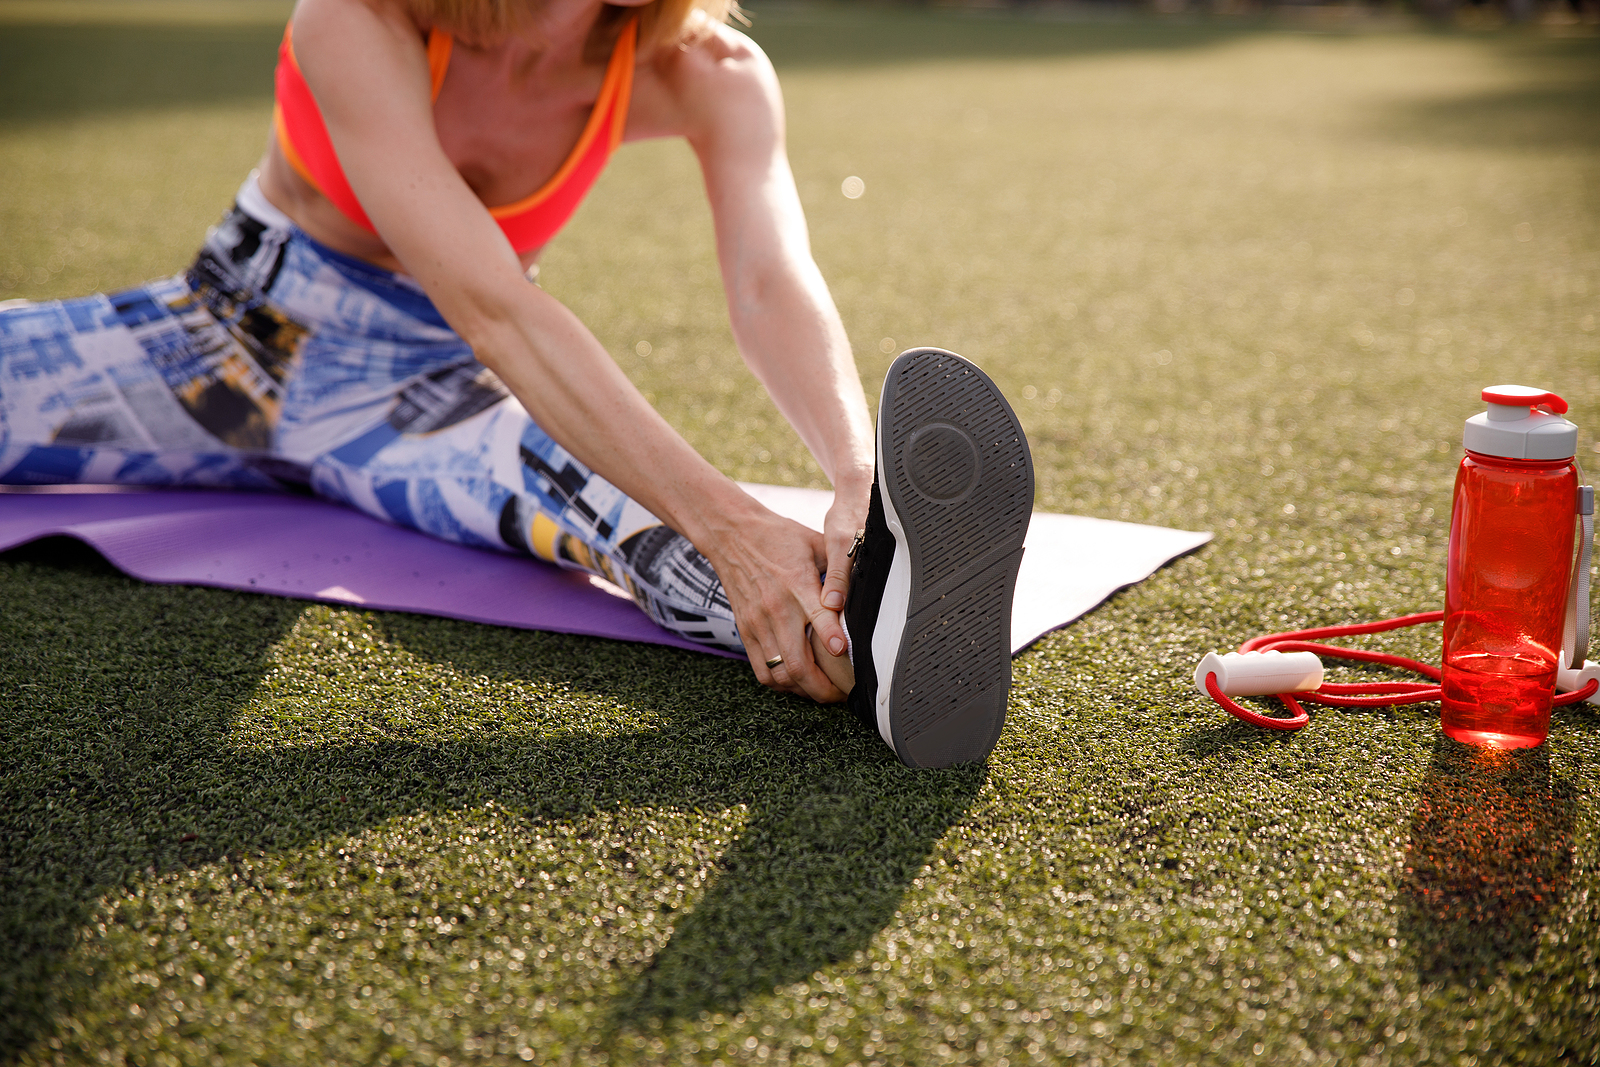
[(275, 363)]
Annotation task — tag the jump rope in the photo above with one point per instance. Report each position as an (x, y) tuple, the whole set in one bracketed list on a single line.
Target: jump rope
[(1246, 681), (1512, 488)]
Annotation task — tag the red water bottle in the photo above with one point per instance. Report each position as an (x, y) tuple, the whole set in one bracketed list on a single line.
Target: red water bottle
[(1510, 568)]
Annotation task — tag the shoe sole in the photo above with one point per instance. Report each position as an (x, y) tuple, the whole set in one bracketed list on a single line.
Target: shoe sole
[(956, 480)]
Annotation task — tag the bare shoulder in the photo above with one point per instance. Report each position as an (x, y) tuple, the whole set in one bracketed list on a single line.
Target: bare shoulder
[(723, 51), (722, 81), (339, 12), (347, 31)]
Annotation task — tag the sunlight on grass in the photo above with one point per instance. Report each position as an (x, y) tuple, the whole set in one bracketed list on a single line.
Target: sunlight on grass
[(1234, 277)]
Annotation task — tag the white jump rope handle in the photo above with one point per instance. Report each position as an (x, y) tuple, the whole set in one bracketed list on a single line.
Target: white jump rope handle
[(1259, 674)]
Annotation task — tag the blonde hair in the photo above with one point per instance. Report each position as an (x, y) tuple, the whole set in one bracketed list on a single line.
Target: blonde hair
[(662, 23)]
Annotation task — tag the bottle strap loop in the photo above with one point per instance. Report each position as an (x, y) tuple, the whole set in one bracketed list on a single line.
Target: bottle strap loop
[(1575, 641)]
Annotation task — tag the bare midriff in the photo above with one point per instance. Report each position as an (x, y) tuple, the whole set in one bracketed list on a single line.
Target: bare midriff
[(316, 215)]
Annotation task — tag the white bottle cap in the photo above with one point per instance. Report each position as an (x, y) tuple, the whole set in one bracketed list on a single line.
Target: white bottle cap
[(1512, 428)]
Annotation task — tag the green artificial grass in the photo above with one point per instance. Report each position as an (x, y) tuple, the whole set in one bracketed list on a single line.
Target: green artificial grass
[(1235, 275)]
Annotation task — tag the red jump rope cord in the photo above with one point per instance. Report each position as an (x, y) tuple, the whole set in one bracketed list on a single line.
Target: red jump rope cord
[(1577, 694), (1301, 716), (1353, 695)]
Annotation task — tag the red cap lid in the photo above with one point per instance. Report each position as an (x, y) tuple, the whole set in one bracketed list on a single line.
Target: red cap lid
[(1524, 396)]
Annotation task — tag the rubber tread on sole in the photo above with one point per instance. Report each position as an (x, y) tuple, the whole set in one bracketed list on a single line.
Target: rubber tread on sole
[(957, 471)]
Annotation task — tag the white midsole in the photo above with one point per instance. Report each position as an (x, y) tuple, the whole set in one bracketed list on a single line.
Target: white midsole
[(890, 630)]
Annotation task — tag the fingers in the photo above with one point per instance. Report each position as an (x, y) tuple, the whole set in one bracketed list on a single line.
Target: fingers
[(825, 642), (840, 530), (840, 671), (772, 675), (785, 655), (770, 576), (843, 528), (829, 630), (762, 646), (812, 679), (836, 583), (795, 672)]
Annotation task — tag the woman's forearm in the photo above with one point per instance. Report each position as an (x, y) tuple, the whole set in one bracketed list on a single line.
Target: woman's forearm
[(783, 319), (791, 336)]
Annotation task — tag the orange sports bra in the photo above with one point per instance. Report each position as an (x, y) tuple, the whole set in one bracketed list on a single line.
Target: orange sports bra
[(528, 223)]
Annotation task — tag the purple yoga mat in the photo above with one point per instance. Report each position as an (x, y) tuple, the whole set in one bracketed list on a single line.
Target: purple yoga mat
[(311, 549)]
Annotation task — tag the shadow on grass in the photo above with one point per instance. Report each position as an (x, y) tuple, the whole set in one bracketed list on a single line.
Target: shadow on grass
[(1554, 107), (120, 768), (1564, 119), (816, 874), (50, 71), (842, 37), (835, 832), (1489, 861)]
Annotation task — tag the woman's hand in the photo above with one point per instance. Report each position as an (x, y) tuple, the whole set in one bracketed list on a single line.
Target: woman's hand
[(846, 518), (769, 566)]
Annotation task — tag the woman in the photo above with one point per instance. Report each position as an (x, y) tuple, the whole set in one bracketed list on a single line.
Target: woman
[(362, 323)]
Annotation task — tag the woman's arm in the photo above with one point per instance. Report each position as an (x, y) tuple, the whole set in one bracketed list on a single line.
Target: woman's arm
[(783, 318), (366, 65)]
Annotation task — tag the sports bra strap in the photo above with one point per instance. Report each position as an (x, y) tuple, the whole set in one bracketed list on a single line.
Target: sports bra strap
[(440, 42), (528, 223)]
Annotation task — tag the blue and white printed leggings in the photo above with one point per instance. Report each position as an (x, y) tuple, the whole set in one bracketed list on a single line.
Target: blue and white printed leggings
[(275, 363)]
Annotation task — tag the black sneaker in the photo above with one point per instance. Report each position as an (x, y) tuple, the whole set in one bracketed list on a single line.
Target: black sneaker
[(929, 610)]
